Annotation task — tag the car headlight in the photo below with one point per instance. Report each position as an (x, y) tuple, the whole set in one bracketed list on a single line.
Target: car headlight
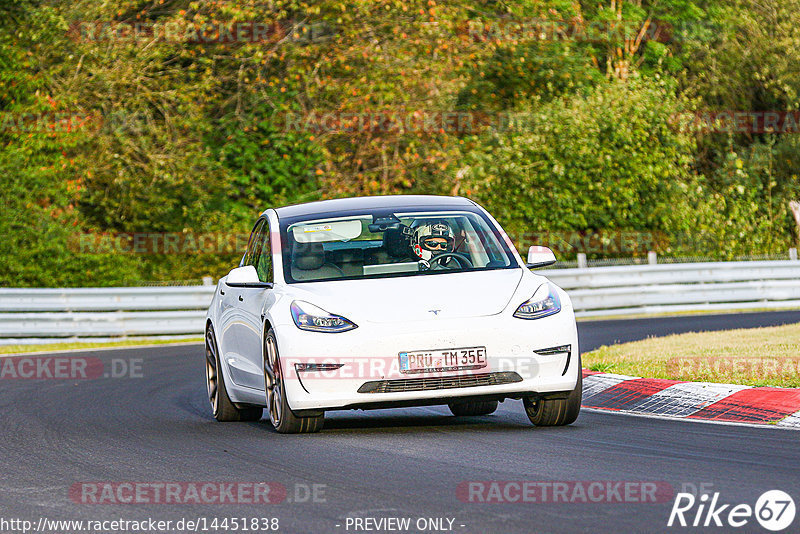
[(309, 317), (544, 302)]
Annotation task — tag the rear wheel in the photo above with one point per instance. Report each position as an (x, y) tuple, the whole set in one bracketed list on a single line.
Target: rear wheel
[(283, 419), (221, 406), (556, 412), (462, 409)]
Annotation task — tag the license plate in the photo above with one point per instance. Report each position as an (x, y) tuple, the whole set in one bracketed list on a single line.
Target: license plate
[(423, 361)]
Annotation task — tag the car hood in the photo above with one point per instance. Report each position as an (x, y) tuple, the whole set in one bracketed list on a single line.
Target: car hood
[(409, 298)]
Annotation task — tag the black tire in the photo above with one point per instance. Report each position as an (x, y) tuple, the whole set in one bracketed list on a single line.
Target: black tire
[(282, 417), (463, 409), (221, 406), (556, 412)]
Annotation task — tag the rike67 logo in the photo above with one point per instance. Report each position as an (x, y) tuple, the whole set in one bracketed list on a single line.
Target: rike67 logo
[(774, 510)]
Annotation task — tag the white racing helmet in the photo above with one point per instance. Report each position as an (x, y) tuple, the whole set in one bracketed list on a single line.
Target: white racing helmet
[(432, 238)]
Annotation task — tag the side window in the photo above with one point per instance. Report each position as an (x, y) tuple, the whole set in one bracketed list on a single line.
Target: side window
[(264, 261), (252, 244)]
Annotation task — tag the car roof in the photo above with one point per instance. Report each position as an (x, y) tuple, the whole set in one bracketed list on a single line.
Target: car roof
[(324, 207)]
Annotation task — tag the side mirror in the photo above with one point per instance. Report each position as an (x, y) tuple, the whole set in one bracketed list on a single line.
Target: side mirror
[(245, 277), (540, 257)]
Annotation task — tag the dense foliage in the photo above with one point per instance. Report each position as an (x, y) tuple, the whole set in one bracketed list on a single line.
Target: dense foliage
[(570, 119)]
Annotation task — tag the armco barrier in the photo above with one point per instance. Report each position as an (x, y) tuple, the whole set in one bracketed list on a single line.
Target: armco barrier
[(595, 291), (106, 299), (114, 311), (642, 289)]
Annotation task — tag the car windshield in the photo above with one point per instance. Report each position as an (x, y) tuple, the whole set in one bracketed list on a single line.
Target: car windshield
[(370, 245)]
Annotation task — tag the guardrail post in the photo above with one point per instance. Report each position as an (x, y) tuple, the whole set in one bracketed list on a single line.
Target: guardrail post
[(793, 254), (652, 258), (582, 263)]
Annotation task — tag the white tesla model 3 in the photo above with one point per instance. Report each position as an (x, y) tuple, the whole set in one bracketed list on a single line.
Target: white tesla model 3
[(389, 301)]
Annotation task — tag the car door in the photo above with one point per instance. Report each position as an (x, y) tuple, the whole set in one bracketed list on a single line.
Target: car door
[(240, 336), (254, 303)]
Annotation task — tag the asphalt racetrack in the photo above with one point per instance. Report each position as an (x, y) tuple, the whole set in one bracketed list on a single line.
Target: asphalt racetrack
[(156, 427)]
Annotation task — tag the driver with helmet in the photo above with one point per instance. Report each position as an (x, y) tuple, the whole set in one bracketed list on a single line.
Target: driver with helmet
[(431, 239)]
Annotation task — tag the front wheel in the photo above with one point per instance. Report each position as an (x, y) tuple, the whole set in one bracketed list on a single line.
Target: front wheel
[(282, 417), (556, 412)]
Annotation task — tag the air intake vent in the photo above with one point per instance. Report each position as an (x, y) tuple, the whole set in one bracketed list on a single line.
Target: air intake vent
[(445, 382)]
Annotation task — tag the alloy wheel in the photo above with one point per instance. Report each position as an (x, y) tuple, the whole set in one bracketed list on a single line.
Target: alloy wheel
[(211, 371), (272, 380)]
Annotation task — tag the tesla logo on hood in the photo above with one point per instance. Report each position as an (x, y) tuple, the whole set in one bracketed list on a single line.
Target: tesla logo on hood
[(435, 312)]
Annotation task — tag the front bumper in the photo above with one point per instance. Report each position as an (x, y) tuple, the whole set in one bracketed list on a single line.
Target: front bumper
[(369, 355)]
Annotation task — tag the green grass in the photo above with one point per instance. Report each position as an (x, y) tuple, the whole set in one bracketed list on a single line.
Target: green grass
[(78, 345), (752, 356), (602, 367)]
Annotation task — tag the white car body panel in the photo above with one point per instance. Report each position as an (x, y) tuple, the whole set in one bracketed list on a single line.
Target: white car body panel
[(394, 315)]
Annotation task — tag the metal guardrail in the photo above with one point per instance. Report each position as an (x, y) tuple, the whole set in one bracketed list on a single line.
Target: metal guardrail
[(112, 311), (72, 324), (678, 287), (595, 291), (106, 299)]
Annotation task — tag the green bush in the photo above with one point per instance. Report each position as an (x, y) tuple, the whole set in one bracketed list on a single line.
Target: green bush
[(612, 160)]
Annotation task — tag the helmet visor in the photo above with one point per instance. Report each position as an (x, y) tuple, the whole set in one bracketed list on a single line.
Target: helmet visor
[(437, 243)]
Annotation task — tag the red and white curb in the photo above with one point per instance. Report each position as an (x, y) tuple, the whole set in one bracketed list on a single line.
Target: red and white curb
[(691, 400)]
